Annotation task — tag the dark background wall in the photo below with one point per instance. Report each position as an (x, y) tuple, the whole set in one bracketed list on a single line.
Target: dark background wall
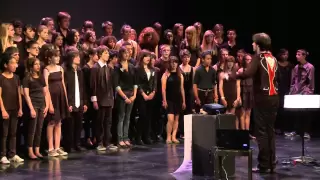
[(290, 24)]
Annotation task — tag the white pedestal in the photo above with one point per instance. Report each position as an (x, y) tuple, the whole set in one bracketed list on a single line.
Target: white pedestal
[(186, 165)]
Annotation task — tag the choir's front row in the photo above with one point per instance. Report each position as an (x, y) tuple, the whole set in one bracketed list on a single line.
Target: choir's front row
[(53, 94)]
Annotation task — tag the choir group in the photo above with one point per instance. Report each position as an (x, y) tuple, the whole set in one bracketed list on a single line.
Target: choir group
[(133, 90)]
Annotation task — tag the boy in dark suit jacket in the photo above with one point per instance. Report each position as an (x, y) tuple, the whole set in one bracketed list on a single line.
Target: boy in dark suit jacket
[(102, 98)]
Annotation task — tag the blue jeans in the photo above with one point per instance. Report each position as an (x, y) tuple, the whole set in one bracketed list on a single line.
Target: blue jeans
[(124, 112)]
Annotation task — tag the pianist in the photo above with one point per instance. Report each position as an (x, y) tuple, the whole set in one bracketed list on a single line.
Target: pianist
[(302, 82)]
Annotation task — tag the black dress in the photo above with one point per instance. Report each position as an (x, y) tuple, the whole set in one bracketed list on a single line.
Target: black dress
[(230, 90), (58, 97), (173, 94), (247, 93)]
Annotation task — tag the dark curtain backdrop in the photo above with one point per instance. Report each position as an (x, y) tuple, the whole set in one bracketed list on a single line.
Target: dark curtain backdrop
[(291, 24)]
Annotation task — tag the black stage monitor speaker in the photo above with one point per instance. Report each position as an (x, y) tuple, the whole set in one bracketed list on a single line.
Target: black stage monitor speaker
[(233, 139), (204, 138)]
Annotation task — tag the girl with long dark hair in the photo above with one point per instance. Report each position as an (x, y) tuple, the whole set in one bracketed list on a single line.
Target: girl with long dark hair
[(229, 87), (72, 39), (38, 100), (57, 42), (173, 98), (147, 84)]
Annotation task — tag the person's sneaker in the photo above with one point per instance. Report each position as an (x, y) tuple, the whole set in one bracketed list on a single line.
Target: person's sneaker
[(290, 134), (101, 148), (112, 147), (16, 159), (4, 160), (306, 135), (61, 152), (53, 153)]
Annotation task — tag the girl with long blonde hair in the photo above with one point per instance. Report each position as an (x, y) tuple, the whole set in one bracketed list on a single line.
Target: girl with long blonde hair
[(208, 43), (6, 36), (190, 43)]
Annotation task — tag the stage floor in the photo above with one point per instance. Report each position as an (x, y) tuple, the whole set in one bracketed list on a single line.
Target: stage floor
[(155, 162)]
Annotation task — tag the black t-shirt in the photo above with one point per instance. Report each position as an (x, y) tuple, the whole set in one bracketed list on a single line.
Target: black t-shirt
[(205, 79), (10, 96), (35, 86), (123, 78)]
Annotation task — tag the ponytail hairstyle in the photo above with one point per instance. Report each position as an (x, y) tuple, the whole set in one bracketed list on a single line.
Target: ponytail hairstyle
[(49, 54), (43, 51)]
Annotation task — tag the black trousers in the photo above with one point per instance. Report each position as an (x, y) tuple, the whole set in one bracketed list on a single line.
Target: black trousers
[(72, 131), (35, 128), (114, 131), (146, 109), (133, 126), (89, 118), (23, 128), (206, 97), (159, 117), (265, 114), (103, 125), (9, 130)]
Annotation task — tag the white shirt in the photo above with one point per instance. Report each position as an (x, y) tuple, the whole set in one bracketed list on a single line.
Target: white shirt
[(76, 90)]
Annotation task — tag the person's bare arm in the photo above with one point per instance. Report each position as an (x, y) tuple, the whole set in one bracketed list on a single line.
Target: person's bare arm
[(164, 87), (221, 85), (182, 90), (3, 109), (238, 89), (27, 98), (46, 76), (64, 86)]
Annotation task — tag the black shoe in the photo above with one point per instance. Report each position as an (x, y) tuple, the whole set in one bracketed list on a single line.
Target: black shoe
[(67, 149), (139, 142), (147, 141), (262, 171), (78, 149), (40, 157), (160, 138)]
